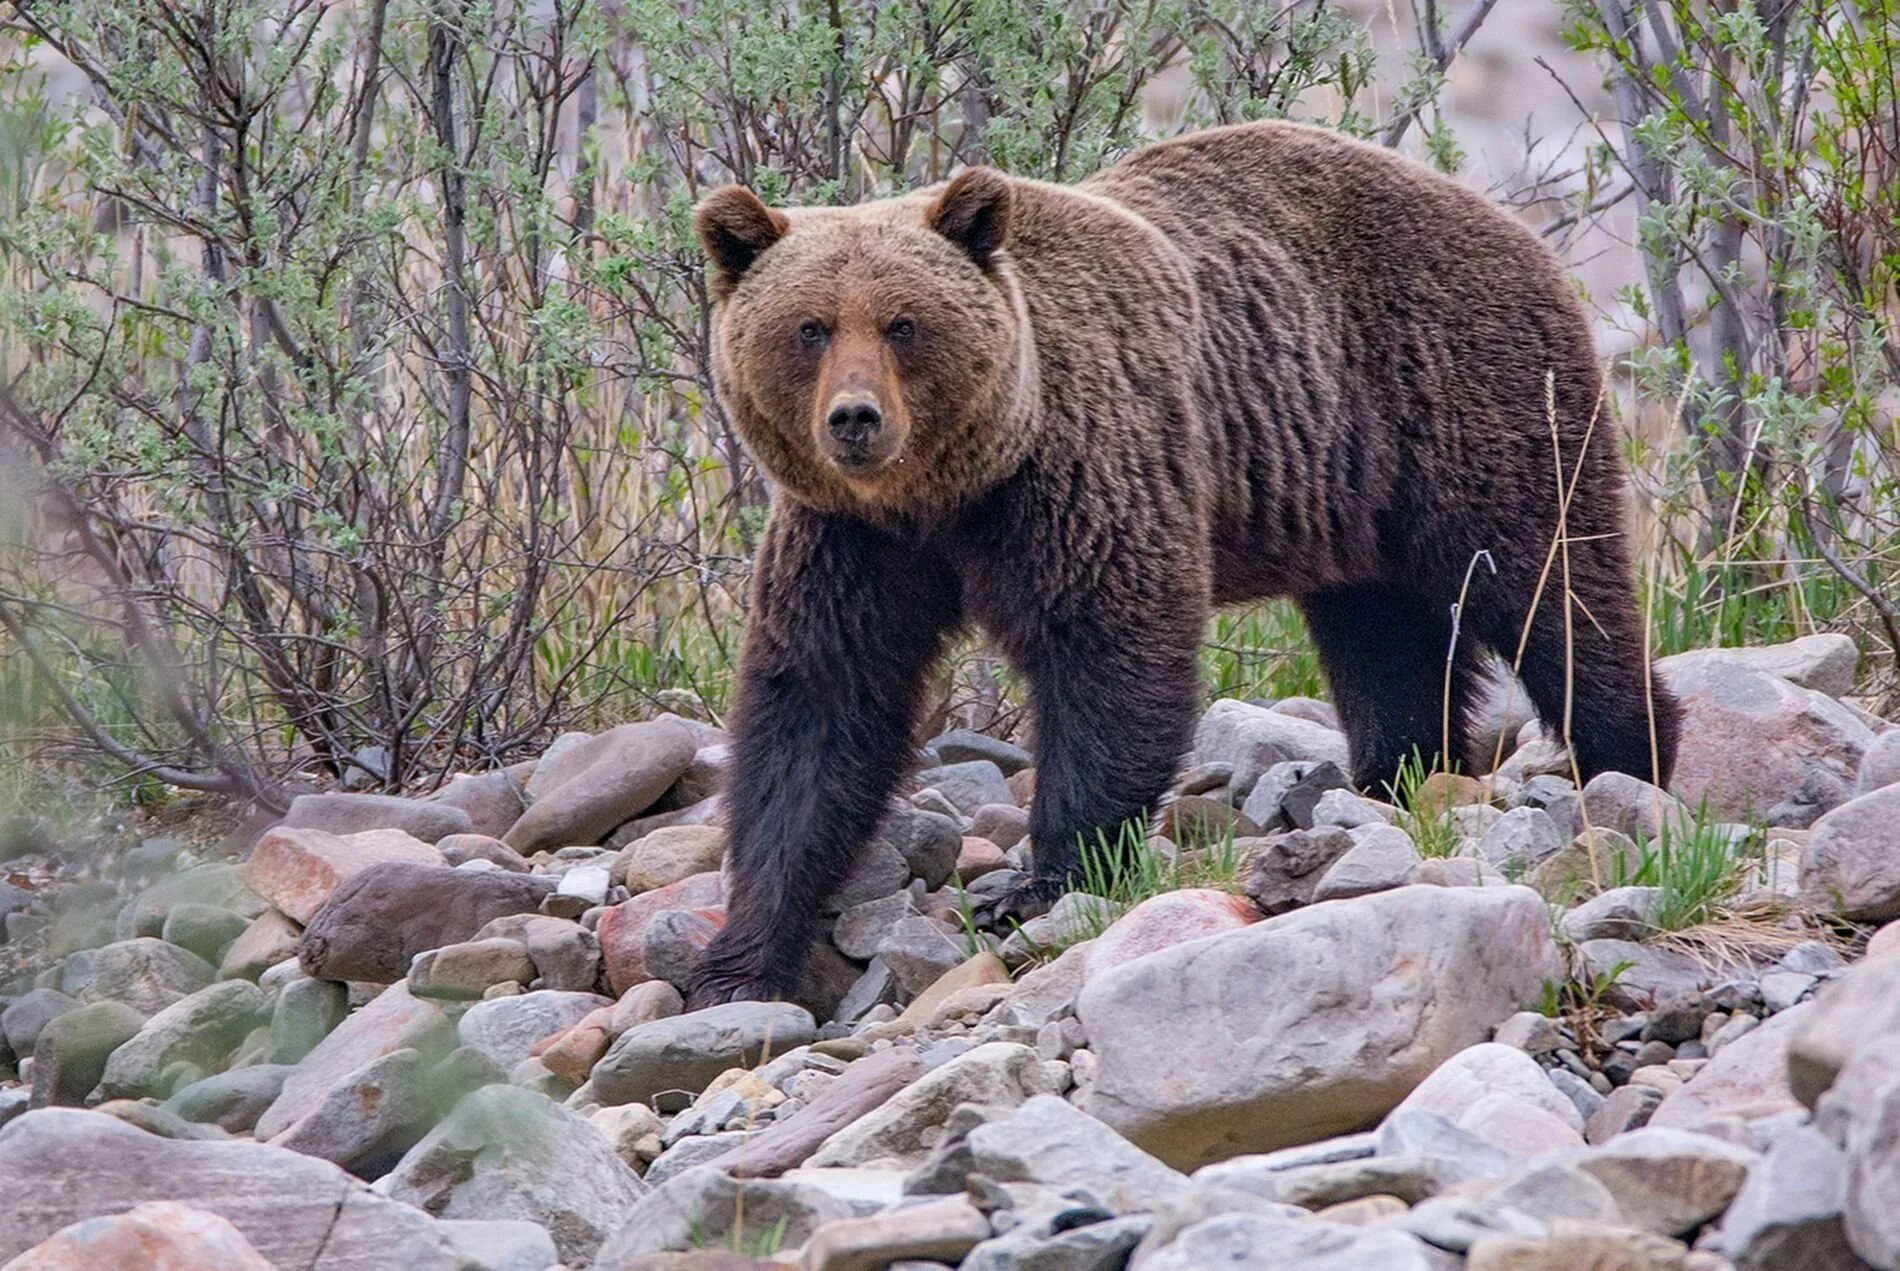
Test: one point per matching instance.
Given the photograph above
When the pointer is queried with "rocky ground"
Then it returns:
(1493, 1033)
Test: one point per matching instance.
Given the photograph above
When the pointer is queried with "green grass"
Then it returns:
(1434, 829)
(1695, 865)
(1261, 652)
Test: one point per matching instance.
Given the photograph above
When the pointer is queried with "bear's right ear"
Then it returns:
(734, 227)
(973, 212)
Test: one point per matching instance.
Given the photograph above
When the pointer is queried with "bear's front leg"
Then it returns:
(845, 621)
(1113, 696)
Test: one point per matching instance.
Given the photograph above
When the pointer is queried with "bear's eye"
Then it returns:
(901, 331)
(811, 332)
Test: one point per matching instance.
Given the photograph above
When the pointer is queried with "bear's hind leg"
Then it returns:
(1593, 673)
(1383, 650)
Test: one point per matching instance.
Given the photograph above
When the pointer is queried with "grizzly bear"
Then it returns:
(1257, 361)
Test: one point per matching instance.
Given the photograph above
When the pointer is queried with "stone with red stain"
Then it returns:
(393, 1021)
(297, 869)
(1168, 919)
(676, 938)
(160, 1235)
(623, 927)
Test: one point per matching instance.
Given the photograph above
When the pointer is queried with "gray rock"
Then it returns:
(602, 782)
(201, 1030)
(510, 1153)
(1096, 1246)
(270, 938)
(947, 1228)
(216, 884)
(684, 1053)
(1382, 857)
(1287, 795)
(705, 1208)
(1423, 1134)
(1523, 838)
(1252, 739)
(146, 974)
(1649, 973)
(27, 1014)
(1389, 986)
(505, 1029)
(875, 987)
(1001, 1074)
(878, 871)
(1626, 1108)
(1825, 662)
(1545, 1191)
(1788, 1213)
(494, 801)
(918, 950)
(928, 842)
(460, 849)
(1782, 989)
(961, 745)
(395, 1020)
(691, 1153)
(1880, 765)
(1531, 1032)
(1410, 1178)
(1849, 865)
(1811, 957)
(1756, 745)
(1048, 1141)
(306, 1012)
(1288, 867)
(354, 813)
(70, 1056)
(207, 930)
(1857, 1013)
(1633, 807)
(1241, 1240)
(968, 785)
(861, 928)
(1873, 1173)
(1580, 1093)
(377, 921)
(60, 1165)
(1344, 809)
(1666, 1181)
(367, 1120)
(470, 969)
(1621, 913)
(231, 1100)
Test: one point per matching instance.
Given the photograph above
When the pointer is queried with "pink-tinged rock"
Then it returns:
(297, 869)
(977, 857)
(623, 927)
(1748, 1078)
(1486, 1071)
(1884, 942)
(1851, 864)
(1757, 746)
(458, 849)
(1170, 918)
(572, 1053)
(1522, 1129)
(395, 1019)
(601, 782)
(160, 1235)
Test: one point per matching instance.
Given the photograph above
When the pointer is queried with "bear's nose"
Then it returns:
(854, 420)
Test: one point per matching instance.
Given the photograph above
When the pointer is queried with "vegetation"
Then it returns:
(355, 414)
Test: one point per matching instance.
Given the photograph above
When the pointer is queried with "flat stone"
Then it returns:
(669, 855)
(1309, 1024)
(1095, 1246)
(354, 813)
(1825, 662)
(1003, 1074)
(377, 921)
(684, 1053)
(969, 784)
(231, 1100)
(1252, 739)
(508, 1152)
(493, 801)
(786, 1144)
(1621, 913)
(934, 1231)
(607, 779)
(1521, 839)
(1238, 1240)
(1666, 1181)
(395, 1020)
(62, 1165)
(1570, 1245)
(1048, 1141)
(1381, 858)
(270, 938)
(470, 968)
(960, 745)
(369, 1118)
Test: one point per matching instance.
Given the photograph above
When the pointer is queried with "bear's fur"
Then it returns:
(1258, 361)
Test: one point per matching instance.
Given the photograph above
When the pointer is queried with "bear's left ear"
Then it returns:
(973, 212)
(734, 228)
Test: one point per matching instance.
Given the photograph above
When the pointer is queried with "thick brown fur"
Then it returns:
(1257, 361)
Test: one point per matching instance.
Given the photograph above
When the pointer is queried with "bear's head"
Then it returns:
(876, 359)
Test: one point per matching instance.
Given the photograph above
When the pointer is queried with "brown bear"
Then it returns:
(1263, 360)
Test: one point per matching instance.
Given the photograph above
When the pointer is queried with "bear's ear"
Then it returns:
(734, 227)
(973, 212)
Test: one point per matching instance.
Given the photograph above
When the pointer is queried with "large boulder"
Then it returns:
(297, 870)
(62, 1165)
(1310, 1024)
(201, 1030)
(160, 1235)
(394, 1021)
(1825, 662)
(146, 974)
(1757, 746)
(506, 1152)
(600, 782)
(1252, 739)
(376, 922)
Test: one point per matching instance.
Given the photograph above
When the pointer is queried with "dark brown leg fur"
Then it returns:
(1383, 650)
(846, 621)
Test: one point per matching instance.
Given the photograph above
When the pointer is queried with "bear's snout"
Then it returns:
(858, 436)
